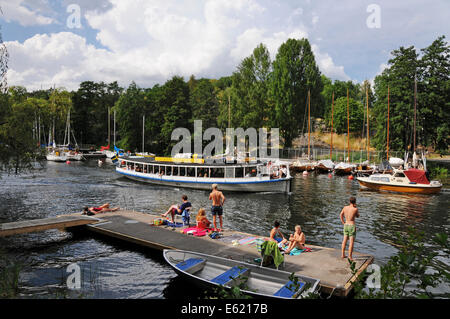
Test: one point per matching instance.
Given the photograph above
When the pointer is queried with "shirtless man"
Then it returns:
(296, 240)
(350, 212)
(217, 205)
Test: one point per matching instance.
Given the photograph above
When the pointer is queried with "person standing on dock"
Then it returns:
(349, 212)
(217, 205)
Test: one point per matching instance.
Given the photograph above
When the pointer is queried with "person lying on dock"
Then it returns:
(276, 235)
(202, 220)
(97, 210)
(178, 209)
(296, 240)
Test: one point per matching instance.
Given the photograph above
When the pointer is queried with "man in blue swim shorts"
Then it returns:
(217, 205)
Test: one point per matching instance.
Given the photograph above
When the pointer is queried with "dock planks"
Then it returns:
(322, 262)
(37, 225)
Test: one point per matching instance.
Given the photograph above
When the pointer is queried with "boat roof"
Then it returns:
(417, 176)
(149, 160)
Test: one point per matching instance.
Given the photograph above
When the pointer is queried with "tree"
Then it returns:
(250, 85)
(399, 76)
(434, 95)
(176, 102)
(356, 112)
(130, 109)
(294, 73)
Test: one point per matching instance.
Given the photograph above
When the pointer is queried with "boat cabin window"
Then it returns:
(182, 171)
(217, 172)
(239, 172)
(175, 171)
(191, 171)
(399, 175)
(229, 172)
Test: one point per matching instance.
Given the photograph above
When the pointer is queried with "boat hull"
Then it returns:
(273, 185)
(400, 188)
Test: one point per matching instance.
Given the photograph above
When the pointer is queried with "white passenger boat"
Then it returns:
(261, 282)
(194, 173)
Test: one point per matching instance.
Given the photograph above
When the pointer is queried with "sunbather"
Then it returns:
(296, 240)
(276, 235)
(100, 209)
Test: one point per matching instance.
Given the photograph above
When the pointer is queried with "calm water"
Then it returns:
(110, 269)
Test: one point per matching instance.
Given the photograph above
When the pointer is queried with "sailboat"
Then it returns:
(346, 168)
(326, 166)
(411, 180)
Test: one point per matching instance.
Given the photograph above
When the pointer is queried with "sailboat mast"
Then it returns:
(415, 112)
(309, 123)
(332, 111)
(368, 131)
(109, 126)
(388, 129)
(143, 132)
(114, 127)
(348, 127)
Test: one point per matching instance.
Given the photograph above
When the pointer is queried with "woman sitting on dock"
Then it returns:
(202, 221)
(276, 235)
(100, 209)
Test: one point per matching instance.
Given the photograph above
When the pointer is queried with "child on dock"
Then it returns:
(350, 212)
(202, 220)
(296, 240)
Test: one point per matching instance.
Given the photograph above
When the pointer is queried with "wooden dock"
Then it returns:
(322, 263)
(37, 225)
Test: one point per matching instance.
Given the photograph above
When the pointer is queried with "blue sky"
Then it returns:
(150, 41)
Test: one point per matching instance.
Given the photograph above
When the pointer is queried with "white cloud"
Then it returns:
(250, 38)
(327, 65)
(16, 10)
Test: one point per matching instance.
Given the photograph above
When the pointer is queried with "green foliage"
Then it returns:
(294, 73)
(412, 272)
(356, 118)
(9, 276)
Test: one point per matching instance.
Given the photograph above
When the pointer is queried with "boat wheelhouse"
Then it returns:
(403, 181)
(194, 173)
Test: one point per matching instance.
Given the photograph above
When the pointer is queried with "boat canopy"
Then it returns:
(417, 176)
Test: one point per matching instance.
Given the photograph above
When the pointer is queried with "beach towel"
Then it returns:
(198, 232)
(296, 251)
(247, 240)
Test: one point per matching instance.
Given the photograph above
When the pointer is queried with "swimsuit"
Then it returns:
(217, 210)
(350, 230)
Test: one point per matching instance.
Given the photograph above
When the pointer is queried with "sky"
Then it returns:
(62, 43)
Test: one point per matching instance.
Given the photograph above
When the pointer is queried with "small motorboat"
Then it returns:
(402, 181)
(210, 271)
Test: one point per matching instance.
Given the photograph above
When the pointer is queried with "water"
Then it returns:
(111, 269)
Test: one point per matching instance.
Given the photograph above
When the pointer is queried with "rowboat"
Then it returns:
(403, 181)
(209, 271)
(253, 176)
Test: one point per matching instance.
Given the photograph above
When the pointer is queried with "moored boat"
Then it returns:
(324, 166)
(403, 181)
(195, 173)
(209, 271)
(344, 168)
